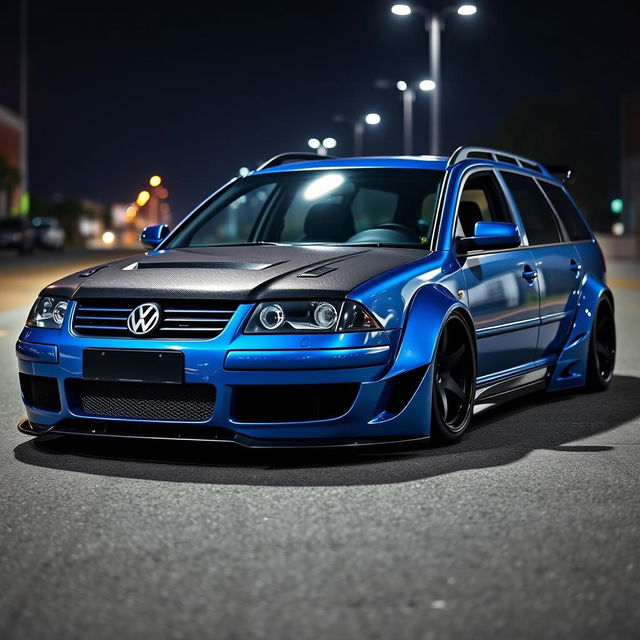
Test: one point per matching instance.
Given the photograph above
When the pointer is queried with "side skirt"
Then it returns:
(494, 393)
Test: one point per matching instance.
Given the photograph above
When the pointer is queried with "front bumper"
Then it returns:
(232, 362)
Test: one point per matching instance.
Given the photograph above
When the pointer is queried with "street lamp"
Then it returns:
(359, 126)
(408, 98)
(329, 143)
(434, 24)
(371, 119)
(321, 147)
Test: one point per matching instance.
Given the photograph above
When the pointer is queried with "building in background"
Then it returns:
(11, 141)
(631, 162)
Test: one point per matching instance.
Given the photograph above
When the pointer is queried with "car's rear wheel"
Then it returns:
(602, 347)
(454, 381)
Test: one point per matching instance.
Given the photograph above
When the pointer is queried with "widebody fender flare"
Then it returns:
(431, 305)
(571, 368)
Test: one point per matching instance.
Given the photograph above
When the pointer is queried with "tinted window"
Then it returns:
(569, 215)
(537, 217)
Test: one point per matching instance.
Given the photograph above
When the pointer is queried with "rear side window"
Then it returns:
(537, 216)
(569, 215)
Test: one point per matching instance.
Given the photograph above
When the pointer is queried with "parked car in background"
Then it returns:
(49, 233)
(17, 233)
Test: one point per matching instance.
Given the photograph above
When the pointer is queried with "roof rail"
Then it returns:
(282, 158)
(462, 153)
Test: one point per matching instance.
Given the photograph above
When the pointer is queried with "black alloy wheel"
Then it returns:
(454, 381)
(602, 347)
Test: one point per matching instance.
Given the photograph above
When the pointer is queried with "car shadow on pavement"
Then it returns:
(498, 437)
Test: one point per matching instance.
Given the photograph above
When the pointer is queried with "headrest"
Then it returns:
(329, 222)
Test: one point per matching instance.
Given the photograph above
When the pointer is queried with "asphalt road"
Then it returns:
(530, 528)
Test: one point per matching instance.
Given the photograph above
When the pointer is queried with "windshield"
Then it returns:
(331, 206)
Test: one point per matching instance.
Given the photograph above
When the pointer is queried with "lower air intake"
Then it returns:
(142, 400)
(292, 403)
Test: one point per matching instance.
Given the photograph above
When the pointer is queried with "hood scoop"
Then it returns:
(242, 266)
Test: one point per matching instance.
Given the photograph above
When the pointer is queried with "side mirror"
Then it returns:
(491, 235)
(152, 236)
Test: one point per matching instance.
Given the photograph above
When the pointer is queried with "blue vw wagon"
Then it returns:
(329, 302)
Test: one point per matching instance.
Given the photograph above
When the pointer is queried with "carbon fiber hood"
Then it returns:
(236, 273)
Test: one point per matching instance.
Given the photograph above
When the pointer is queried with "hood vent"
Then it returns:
(243, 266)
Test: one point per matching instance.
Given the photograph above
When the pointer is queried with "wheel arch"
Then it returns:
(571, 366)
(428, 312)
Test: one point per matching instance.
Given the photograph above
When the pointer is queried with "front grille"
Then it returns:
(40, 392)
(292, 403)
(142, 400)
(196, 319)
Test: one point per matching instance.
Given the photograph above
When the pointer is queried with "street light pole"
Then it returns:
(358, 137)
(408, 98)
(435, 28)
(24, 78)
(434, 24)
(359, 127)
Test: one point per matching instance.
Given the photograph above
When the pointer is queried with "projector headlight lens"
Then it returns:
(272, 317)
(310, 316)
(325, 315)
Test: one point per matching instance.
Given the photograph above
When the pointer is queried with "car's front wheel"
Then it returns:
(454, 381)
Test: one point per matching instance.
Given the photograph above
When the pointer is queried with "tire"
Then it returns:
(454, 381)
(602, 347)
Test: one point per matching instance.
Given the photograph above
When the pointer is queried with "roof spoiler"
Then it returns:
(560, 171)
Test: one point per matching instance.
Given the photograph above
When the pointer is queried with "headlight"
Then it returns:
(322, 316)
(48, 312)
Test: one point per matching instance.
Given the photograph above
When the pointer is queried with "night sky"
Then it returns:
(195, 90)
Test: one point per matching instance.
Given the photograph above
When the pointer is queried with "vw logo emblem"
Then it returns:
(144, 318)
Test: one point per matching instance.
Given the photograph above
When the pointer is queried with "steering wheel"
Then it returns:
(396, 226)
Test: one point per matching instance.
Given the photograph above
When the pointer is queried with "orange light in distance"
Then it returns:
(143, 198)
(155, 181)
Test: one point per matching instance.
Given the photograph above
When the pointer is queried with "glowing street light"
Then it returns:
(143, 198)
(467, 9)
(155, 181)
(329, 143)
(401, 9)
(372, 119)
(427, 85)
(321, 146)
(433, 24)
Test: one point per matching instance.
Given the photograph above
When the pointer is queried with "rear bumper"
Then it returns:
(294, 365)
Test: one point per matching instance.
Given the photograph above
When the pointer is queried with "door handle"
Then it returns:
(529, 274)
(575, 266)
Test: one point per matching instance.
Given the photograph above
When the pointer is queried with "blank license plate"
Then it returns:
(133, 365)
